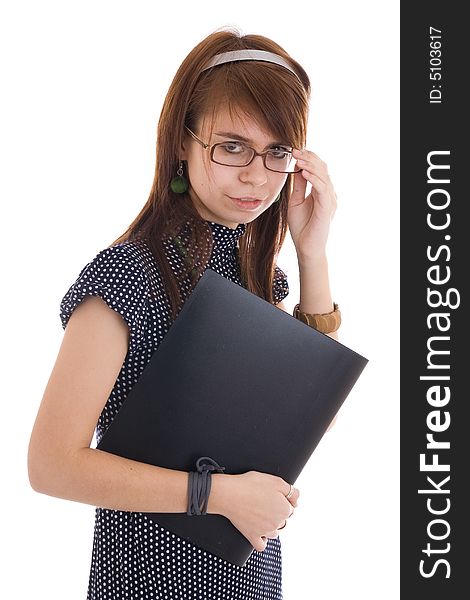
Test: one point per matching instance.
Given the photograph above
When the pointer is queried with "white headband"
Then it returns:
(262, 55)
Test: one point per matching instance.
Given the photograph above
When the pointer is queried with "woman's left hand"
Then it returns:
(309, 216)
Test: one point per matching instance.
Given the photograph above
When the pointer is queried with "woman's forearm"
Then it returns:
(105, 480)
(315, 295)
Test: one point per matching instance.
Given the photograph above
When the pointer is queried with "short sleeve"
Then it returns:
(280, 285)
(116, 275)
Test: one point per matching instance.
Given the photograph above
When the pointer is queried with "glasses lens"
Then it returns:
(236, 154)
(281, 160)
(233, 154)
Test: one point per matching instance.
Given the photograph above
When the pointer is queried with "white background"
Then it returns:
(83, 84)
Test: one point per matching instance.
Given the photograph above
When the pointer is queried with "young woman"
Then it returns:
(230, 178)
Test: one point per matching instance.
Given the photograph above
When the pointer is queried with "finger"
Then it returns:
(311, 163)
(298, 189)
(312, 175)
(294, 497)
(302, 152)
(260, 544)
(333, 421)
(273, 534)
(309, 156)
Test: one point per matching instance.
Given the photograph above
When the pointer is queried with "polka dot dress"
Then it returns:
(134, 557)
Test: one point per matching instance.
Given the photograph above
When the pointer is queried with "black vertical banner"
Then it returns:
(435, 268)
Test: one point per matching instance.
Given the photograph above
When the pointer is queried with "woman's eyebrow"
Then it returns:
(236, 136)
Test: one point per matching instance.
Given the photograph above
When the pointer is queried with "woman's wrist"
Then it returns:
(307, 261)
(217, 503)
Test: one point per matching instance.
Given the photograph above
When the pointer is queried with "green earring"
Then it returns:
(278, 197)
(179, 184)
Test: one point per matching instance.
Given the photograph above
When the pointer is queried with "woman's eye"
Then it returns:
(280, 152)
(233, 147)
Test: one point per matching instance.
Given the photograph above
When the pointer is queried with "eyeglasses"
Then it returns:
(237, 154)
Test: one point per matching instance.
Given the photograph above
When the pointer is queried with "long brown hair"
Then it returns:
(277, 100)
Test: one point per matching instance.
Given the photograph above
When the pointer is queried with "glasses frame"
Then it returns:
(212, 147)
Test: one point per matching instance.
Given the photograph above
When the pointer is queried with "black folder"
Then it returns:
(238, 380)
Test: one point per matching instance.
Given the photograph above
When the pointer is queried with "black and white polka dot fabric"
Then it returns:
(133, 557)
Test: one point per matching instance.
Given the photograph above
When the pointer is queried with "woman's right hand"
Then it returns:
(257, 506)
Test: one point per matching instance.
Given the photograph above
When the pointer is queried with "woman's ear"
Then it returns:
(183, 153)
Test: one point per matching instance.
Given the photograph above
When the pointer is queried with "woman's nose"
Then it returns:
(255, 172)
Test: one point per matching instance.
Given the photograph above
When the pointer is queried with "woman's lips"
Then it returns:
(247, 202)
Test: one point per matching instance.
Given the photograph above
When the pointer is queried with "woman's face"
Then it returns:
(217, 190)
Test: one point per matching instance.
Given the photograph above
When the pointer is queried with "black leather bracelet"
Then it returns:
(199, 485)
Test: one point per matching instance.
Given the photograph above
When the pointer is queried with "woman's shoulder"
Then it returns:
(129, 259)
(130, 253)
(121, 275)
